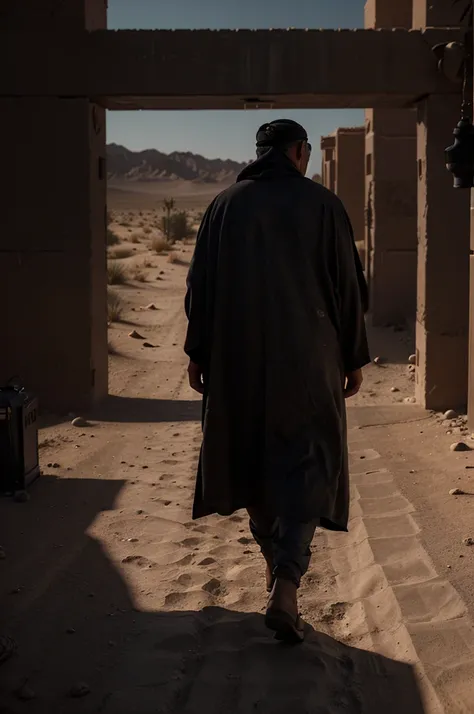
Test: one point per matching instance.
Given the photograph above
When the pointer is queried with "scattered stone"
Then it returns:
(450, 414)
(151, 306)
(80, 422)
(25, 693)
(132, 540)
(139, 512)
(56, 466)
(449, 567)
(412, 359)
(148, 344)
(460, 446)
(468, 541)
(379, 360)
(457, 492)
(409, 400)
(81, 689)
(411, 369)
(135, 335)
(21, 497)
(144, 467)
(394, 389)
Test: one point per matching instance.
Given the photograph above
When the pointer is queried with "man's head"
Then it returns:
(288, 136)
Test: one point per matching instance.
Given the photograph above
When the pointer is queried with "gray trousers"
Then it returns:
(285, 544)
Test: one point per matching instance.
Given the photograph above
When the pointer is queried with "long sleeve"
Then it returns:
(351, 293)
(198, 295)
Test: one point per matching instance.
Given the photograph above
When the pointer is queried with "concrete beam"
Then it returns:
(226, 69)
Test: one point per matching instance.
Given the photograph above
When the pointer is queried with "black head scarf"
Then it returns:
(280, 133)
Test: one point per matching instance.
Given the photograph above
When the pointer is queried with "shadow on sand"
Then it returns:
(76, 624)
(138, 409)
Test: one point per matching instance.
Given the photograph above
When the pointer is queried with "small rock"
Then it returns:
(411, 369)
(409, 400)
(412, 359)
(80, 422)
(456, 492)
(25, 693)
(460, 446)
(394, 389)
(151, 306)
(139, 512)
(148, 344)
(132, 540)
(81, 689)
(379, 360)
(56, 466)
(21, 497)
(135, 335)
(449, 567)
(450, 414)
(468, 541)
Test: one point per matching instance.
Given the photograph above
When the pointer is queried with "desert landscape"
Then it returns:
(118, 602)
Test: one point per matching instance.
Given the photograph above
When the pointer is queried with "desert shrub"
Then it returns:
(160, 244)
(124, 224)
(114, 306)
(139, 274)
(147, 230)
(177, 226)
(135, 238)
(112, 237)
(120, 253)
(116, 273)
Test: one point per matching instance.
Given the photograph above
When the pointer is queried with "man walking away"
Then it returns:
(276, 340)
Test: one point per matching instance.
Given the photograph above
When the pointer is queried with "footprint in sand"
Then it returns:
(213, 586)
(191, 542)
(170, 462)
(207, 561)
(138, 560)
(245, 541)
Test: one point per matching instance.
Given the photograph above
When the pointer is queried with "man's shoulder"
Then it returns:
(325, 195)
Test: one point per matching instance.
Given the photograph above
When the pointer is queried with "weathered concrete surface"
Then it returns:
(54, 15)
(443, 264)
(52, 249)
(295, 68)
(391, 214)
(390, 192)
(439, 13)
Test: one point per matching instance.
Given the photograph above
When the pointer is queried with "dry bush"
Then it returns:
(120, 253)
(147, 230)
(174, 258)
(135, 238)
(160, 244)
(114, 306)
(124, 224)
(139, 274)
(141, 224)
(116, 273)
(112, 237)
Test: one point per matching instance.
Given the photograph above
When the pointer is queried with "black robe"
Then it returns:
(275, 303)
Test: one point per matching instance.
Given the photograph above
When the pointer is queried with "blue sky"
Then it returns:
(225, 134)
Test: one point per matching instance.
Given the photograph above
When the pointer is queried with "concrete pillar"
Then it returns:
(343, 172)
(443, 263)
(53, 250)
(328, 166)
(53, 229)
(390, 192)
(391, 214)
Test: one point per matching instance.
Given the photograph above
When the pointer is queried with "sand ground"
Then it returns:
(120, 603)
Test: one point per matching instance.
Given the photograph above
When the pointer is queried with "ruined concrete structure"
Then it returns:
(65, 69)
(343, 172)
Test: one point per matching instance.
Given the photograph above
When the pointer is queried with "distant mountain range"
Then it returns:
(153, 165)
